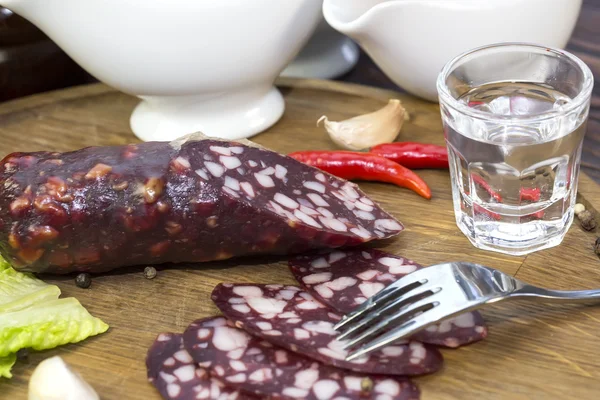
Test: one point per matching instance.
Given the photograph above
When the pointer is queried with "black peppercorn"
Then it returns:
(83, 280)
(587, 220)
(149, 272)
(22, 354)
(597, 246)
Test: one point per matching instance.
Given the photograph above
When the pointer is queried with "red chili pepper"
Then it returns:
(364, 166)
(530, 194)
(486, 186)
(414, 155)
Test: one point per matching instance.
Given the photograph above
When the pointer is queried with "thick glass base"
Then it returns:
(512, 239)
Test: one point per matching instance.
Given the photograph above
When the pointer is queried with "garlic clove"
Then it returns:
(54, 380)
(367, 130)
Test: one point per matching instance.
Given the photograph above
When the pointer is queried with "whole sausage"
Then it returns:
(192, 200)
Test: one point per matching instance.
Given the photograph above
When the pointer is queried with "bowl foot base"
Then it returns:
(231, 115)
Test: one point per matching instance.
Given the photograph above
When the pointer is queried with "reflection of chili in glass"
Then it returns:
(475, 103)
(480, 210)
(530, 194)
(525, 194)
(486, 186)
(539, 214)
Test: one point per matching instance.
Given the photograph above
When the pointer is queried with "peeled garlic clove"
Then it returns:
(54, 380)
(368, 130)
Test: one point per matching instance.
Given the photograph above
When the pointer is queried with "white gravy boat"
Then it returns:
(198, 65)
(411, 40)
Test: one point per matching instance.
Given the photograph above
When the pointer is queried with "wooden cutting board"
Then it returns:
(534, 350)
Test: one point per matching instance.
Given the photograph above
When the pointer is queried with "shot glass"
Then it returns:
(514, 117)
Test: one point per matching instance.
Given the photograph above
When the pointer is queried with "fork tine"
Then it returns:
(377, 310)
(371, 302)
(405, 312)
(367, 305)
(407, 329)
(361, 323)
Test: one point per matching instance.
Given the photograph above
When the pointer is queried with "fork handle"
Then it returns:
(546, 294)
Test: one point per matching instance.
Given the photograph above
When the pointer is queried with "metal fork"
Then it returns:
(432, 294)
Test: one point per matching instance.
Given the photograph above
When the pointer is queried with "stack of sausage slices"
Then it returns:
(278, 342)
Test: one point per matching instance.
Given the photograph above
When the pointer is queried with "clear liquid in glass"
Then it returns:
(514, 184)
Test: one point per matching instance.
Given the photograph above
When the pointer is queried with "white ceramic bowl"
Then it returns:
(198, 65)
(327, 55)
(411, 40)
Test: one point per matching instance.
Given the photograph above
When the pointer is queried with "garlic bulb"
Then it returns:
(368, 130)
(54, 380)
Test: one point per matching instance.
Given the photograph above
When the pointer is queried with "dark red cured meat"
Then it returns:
(293, 319)
(173, 372)
(193, 200)
(344, 279)
(255, 365)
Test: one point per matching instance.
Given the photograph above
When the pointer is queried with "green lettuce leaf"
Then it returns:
(19, 290)
(47, 325)
(4, 264)
(6, 364)
(32, 316)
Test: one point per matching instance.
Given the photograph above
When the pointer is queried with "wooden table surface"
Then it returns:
(534, 351)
